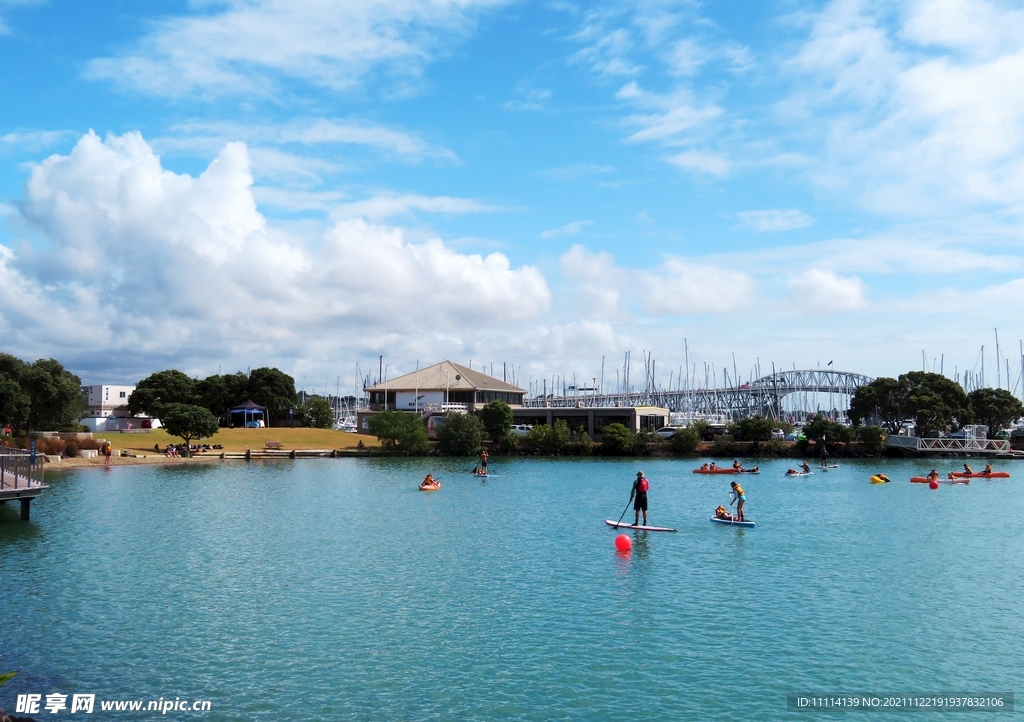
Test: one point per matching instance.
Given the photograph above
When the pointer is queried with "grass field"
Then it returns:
(242, 439)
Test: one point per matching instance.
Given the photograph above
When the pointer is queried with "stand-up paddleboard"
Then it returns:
(731, 522)
(641, 527)
(801, 473)
(483, 476)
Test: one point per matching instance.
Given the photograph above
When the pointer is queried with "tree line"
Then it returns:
(934, 403)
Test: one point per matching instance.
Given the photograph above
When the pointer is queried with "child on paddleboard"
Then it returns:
(737, 495)
(640, 487)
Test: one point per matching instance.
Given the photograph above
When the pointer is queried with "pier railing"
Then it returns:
(949, 444)
(17, 470)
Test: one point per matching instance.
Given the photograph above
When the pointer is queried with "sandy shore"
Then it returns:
(99, 462)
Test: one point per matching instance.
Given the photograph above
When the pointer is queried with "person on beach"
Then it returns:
(639, 492)
(483, 460)
(736, 496)
(106, 453)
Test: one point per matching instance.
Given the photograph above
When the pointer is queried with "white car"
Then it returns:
(778, 434)
(521, 429)
(667, 432)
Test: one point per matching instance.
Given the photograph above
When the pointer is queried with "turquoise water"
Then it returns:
(333, 589)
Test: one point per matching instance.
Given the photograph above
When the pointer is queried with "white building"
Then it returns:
(106, 409)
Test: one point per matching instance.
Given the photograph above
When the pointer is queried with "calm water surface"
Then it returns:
(333, 589)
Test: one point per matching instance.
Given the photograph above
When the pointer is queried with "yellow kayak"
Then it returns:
(879, 479)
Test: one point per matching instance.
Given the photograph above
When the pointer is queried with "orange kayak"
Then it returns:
(982, 475)
(715, 471)
(925, 480)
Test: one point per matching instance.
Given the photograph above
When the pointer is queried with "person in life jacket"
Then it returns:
(737, 497)
(722, 513)
(640, 487)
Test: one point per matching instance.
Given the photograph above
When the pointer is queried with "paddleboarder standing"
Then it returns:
(736, 496)
(639, 491)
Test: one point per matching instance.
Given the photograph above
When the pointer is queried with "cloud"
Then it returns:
(140, 264)
(29, 141)
(707, 163)
(673, 114)
(530, 98)
(251, 48)
(389, 205)
(678, 287)
(569, 229)
(820, 291)
(772, 221)
(306, 132)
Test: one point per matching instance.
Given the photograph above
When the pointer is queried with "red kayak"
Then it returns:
(981, 475)
(715, 471)
(925, 480)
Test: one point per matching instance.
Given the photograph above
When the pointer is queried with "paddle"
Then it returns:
(624, 511)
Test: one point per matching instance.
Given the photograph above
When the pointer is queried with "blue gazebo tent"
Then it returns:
(250, 415)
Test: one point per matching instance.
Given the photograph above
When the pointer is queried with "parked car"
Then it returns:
(715, 430)
(1017, 434)
(667, 432)
(778, 434)
(521, 429)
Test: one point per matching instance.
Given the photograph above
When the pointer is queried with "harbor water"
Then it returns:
(333, 589)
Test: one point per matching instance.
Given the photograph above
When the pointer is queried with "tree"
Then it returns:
(188, 422)
(317, 413)
(685, 440)
(617, 440)
(755, 428)
(461, 434)
(56, 401)
(220, 394)
(274, 389)
(996, 408)
(552, 439)
(935, 402)
(497, 419)
(400, 431)
(882, 399)
(14, 402)
(821, 430)
(156, 392)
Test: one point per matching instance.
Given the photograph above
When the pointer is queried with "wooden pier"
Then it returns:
(20, 478)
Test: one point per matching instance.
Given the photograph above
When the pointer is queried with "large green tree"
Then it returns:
(222, 393)
(996, 408)
(935, 402)
(56, 401)
(158, 391)
(274, 389)
(883, 399)
(755, 428)
(188, 422)
(497, 419)
(400, 431)
(821, 430)
(461, 434)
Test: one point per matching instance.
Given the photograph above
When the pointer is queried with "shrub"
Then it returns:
(723, 445)
(775, 447)
(755, 428)
(617, 440)
(685, 441)
(873, 438)
(71, 449)
(400, 431)
(461, 434)
(580, 443)
(550, 439)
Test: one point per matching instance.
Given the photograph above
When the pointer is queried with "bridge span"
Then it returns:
(766, 396)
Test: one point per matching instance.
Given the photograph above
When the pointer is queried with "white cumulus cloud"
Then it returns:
(820, 291)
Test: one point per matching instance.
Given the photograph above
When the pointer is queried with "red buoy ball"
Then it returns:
(933, 484)
(623, 543)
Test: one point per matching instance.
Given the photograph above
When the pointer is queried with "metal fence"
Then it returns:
(17, 470)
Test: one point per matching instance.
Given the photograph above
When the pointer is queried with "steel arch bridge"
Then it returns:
(764, 396)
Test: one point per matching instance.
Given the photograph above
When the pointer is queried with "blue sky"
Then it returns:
(218, 185)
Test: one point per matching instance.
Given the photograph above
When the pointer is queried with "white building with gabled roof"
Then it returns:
(446, 386)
